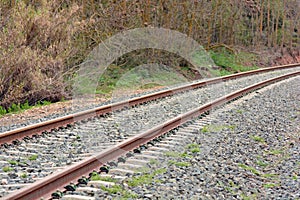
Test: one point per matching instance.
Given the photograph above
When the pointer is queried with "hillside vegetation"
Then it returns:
(43, 42)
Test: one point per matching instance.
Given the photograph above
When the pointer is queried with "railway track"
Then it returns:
(70, 137)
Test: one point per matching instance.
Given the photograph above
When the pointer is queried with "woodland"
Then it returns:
(42, 43)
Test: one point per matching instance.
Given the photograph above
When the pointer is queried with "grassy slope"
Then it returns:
(228, 64)
(233, 63)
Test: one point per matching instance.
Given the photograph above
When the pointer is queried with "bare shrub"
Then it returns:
(35, 43)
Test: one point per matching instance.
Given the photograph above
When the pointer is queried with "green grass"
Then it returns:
(145, 178)
(33, 157)
(270, 185)
(249, 168)
(24, 175)
(96, 177)
(205, 129)
(177, 154)
(119, 189)
(13, 162)
(160, 171)
(232, 184)
(192, 145)
(150, 85)
(232, 63)
(251, 197)
(193, 148)
(257, 139)
(143, 170)
(117, 78)
(2, 111)
(239, 111)
(7, 169)
(17, 108)
(275, 152)
(269, 175)
(216, 128)
(179, 164)
(261, 163)
(153, 162)
(140, 180)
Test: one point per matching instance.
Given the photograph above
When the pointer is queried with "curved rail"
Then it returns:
(30, 130)
(45, 187)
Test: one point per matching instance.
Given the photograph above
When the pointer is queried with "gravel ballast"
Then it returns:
(251, 150)
(92, 136)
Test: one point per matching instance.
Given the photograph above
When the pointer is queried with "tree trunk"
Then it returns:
(275, 42)
(261, 18)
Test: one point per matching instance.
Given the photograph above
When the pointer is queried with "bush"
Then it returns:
(35, 41)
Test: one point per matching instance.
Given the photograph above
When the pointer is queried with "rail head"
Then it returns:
(38, 128)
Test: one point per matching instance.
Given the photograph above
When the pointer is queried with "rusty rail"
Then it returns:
(38, 128)
(45, 187)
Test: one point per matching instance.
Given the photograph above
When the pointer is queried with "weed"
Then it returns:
(128, 195)
(179, 164)
(275, 152)
(118, 189)
(195, 150)
(153, 162)
(239, 111)
(205, 129)
(185, 155)
(245, 197)
(229, 189)
(295, 177)
(143, 170)
(158, 181)
(7, 169)
(258, 139)
(145, 178)
(249, 168)
(177, 155)
(140, 180)
(12, 162)
(270, 185)
(172, 154)
(261, 163)
(97, 177)
(160, 171)
(24, 175)
(33, 157)
(232, 184)
(192, 145)
(216, 128)
(270, 175)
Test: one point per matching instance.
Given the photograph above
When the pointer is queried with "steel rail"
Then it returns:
(45, 187)
(38, 128)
